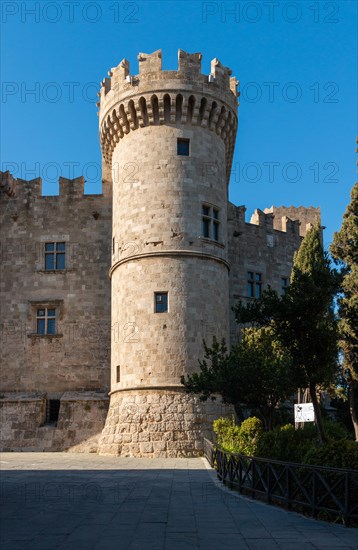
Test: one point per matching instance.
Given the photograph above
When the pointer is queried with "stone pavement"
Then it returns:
(86, 501)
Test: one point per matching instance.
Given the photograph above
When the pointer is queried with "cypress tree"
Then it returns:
(345, 251)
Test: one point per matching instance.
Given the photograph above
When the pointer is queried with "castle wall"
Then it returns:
(23, 422)
(155, 241)
(76, 357)
(307, 216)
(258, 247)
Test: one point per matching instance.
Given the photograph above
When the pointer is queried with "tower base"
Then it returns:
(158, 423)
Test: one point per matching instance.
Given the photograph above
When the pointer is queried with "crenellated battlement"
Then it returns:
(150, 69)
(32, 189)
(155, 97)
(290, 220)
(7, 183)
(285, 217)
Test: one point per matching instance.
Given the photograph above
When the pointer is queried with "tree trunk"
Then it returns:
(318, 414)
(353, 396)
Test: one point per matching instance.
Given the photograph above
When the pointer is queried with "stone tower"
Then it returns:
(168, 138)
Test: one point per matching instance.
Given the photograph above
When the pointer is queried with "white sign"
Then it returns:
(304, 412)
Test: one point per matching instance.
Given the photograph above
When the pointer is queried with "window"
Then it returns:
(54, 256)
(183, 147)
(46, 321)
(118, 374)
(254, 284)
(52, 411)
(210, 222)
(161, 302)
(284, 285)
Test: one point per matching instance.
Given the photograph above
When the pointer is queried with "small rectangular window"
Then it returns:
(55, 256)
(250, 290)
(118, 374)
(258, 290)
(206, 228)
(254, 284)
(161, 302)
(206, 210)
(46, 321)
(215, 231)
(183, 147)
(284, 285)
(210, 222)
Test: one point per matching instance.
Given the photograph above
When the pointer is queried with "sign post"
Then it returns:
(304, 412)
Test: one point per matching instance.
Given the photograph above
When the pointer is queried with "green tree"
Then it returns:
(256, 374)
(303, 319)
(344, 249)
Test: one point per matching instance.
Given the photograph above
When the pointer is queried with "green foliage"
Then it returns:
(227, 433)
(256, 374)
(283, 443)
(291, 445)
(335, 454)
(335, 431)
(303, 320)
(345, 251)
(238, 439)
(345, 241)
(251, 430)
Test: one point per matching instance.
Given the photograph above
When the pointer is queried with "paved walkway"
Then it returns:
(73, 501)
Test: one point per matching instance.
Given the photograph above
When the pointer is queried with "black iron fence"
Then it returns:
(325, 493)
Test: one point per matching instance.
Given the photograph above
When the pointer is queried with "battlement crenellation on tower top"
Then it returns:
(154, 97)
(121, 81)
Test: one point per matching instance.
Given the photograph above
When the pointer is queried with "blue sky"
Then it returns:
(296, 62)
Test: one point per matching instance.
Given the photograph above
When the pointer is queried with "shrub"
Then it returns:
(336, 431)
(335, 454)
(287, 444)
(227, 433)
(284, 443)
(250, 433)
(238, 439)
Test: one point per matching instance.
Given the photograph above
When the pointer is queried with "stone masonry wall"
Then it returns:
(307, 216)
(76, 358)
(80, 423)
(161, 423)
(260, 247)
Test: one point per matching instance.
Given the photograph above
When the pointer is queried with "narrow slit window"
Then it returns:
(52, 411)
